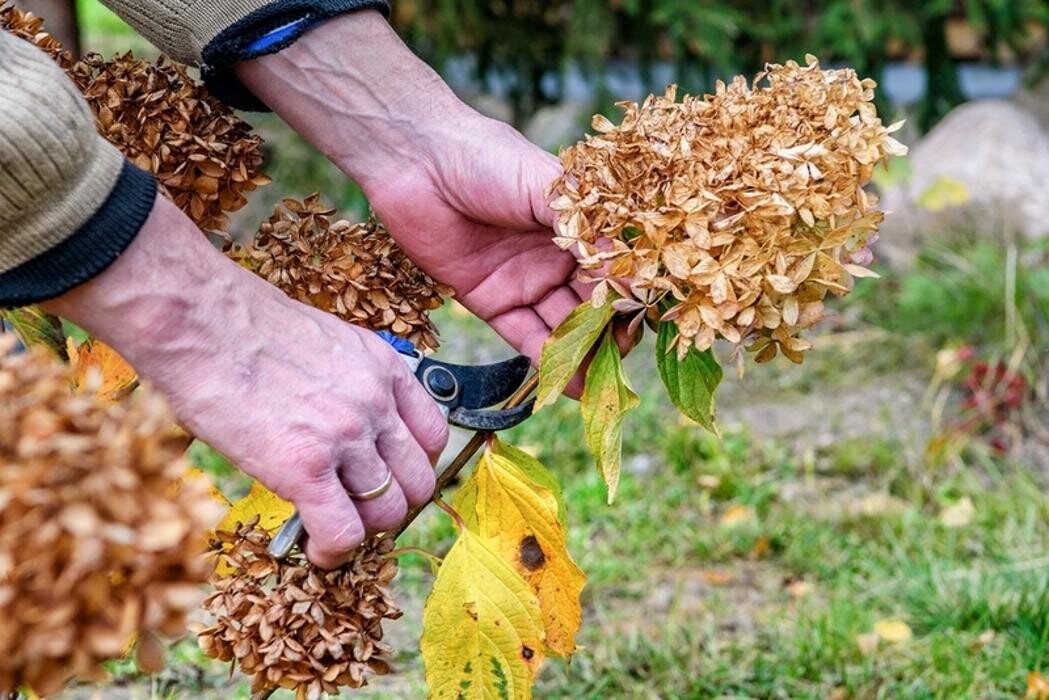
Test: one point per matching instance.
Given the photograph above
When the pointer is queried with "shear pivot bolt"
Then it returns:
(441, 383)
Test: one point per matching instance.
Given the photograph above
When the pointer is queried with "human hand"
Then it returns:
(464, 196)
(311, 406)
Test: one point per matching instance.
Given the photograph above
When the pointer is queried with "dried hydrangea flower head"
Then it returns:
(734, 214)
(28, 26)
(355, 271)
(205, 158)
(289, 624)
(101, 538)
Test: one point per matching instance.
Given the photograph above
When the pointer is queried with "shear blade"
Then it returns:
(490, 421)
(484, 385)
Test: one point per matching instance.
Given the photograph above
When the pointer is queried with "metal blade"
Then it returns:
(483, 385)
(490, 421)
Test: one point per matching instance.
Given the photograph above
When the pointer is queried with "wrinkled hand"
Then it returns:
(311, 406)
(473, 213)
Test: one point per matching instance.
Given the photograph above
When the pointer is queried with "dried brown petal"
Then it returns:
(298, 627)
(734, 213)
(84, 569)
(355, 271)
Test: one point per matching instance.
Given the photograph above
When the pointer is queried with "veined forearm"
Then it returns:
(354, 90)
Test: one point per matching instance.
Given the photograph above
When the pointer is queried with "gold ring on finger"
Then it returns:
(372, 494)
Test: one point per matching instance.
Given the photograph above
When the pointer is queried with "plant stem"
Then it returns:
(468, 451)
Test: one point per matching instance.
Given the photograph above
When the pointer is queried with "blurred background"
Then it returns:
(873, 523)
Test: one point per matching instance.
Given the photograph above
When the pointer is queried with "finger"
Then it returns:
(546, 170)
(361, 470)
(410, 464)
(331, 520)
(555, 306)
(524, 329)
(427, 425)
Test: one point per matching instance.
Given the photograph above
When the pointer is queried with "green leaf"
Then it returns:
(34, 326)
(566, 348)
(606, 398)
(532, 468)
(691, 382)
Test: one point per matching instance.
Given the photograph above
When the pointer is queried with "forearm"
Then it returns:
(354, 90)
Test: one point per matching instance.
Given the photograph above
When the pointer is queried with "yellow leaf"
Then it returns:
(97, 368)
(271, 509)
(736, 514)
(894, 631)
(520, 518)
(1037, 687)
(607, 397)
(482, 631)
(958, 514)
(944, 192)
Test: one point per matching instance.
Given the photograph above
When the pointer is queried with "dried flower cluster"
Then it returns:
(291, 625)
(355, 271)
(100, 542)
(732, 215)
(28, 26)
(204, 156)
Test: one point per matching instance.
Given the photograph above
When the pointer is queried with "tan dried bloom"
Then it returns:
(28, 26)
(355, 271)
(734, 214)
(205, 158)
(100, 543)
(289, 624)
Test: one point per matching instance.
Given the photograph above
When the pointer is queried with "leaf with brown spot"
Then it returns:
(482, 631)
(502, 503)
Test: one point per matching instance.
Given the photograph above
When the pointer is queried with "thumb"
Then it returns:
(541, 174)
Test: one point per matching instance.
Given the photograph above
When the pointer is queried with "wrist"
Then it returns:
(158, 303)
(353, 89)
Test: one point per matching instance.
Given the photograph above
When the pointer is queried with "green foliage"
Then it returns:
(690, 382)
(530, 42)
(962, 289)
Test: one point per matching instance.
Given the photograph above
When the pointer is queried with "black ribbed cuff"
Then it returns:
(233, 44)
(90, 250)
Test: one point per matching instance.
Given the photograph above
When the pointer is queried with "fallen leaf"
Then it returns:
(893, 631)
(943, 193)
(799, 588)
(867, 643)
(958, 514)
(1037, 687)
(482, 627)
(760, 548)
(717, 577)
(708, 481)
(519, 517)
(736, 514)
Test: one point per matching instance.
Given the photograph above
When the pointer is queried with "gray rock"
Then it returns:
(559, 125)
(992, 151)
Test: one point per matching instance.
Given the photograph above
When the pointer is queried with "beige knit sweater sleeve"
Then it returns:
(55, 170)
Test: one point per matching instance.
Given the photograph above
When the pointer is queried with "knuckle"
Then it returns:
(433, 432)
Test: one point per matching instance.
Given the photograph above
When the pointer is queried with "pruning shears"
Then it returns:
(464, 393)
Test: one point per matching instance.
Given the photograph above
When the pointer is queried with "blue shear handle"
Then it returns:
(401, 345)
(278, 35)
